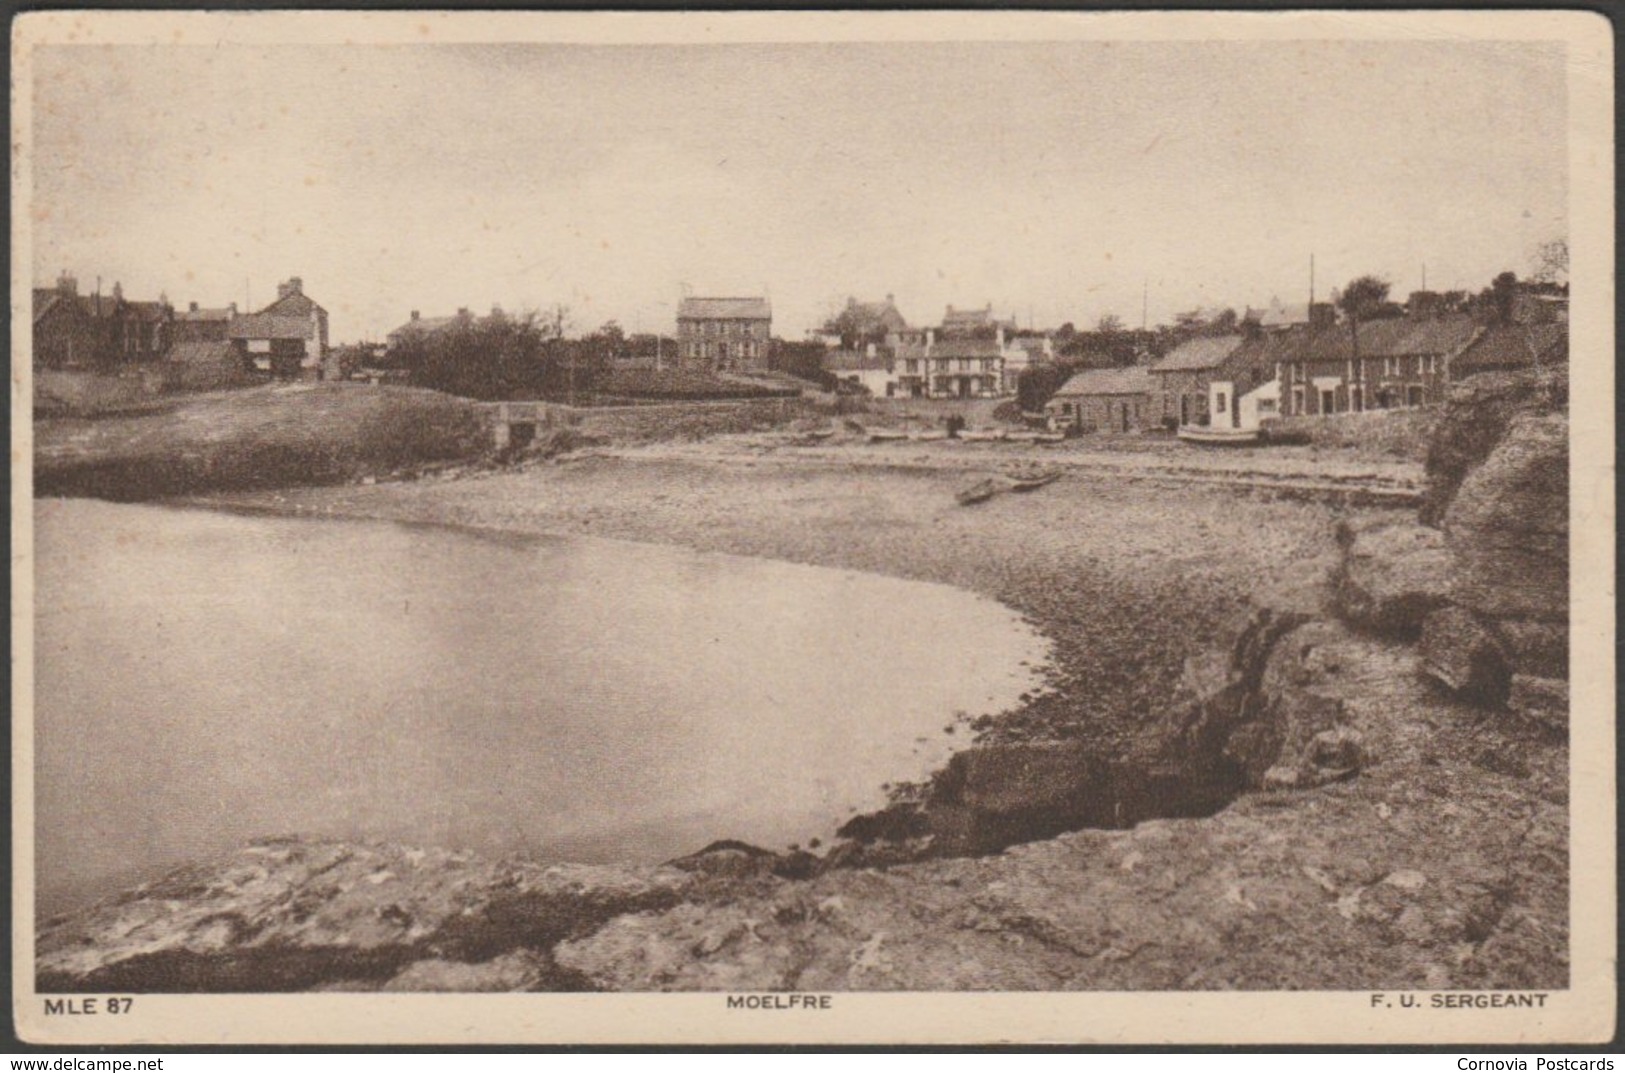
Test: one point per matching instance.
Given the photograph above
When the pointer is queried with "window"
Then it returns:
(1219, 403)
(1390, 366)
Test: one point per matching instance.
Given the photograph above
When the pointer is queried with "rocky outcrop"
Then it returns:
(291, 915)
(1508, 529)
(1251, 716)
(1475, 419)
(1462, 654)
(1500, 497)
(1392, 573)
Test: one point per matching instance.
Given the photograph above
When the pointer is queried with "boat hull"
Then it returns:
(1228, 437)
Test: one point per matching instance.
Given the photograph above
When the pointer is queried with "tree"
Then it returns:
(1503, 288)
(1109, 323)
(1363, 298)
(486, 358)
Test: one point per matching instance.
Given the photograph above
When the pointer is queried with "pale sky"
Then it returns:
(1053, 180)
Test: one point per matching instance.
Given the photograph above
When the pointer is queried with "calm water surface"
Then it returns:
(203, 679)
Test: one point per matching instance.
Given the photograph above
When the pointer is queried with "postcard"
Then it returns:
(861, 528)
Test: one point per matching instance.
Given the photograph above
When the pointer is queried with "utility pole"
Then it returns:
(1145, 303)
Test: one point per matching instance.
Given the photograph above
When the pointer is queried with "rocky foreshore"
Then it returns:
(1254, 769)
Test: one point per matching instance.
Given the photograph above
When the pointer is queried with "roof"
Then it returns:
(1203, 352)
(883, 314)
(210, 353)
(1510, 346)
(724, 309)
(1133, 380)
(1422, 335)
(851, 361)
(271, 326)
(965, 348)
(425, 325)
(297, 304)
(205, 314)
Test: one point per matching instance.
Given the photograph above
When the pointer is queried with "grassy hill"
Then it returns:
(265, 437)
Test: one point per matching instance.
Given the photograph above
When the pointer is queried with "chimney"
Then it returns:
(67, 284)
(415, 314)
(463, 312)
(118, 291)
(931, 334)
(496, 310)
(233, 308)
(191, 307)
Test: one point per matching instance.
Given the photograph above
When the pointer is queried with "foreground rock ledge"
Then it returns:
(1442, 865)
(289, 915)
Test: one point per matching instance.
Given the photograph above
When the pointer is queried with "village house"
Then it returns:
(287, 339)
(871, 368)
(861, 323)
(97, 331)
(1391, 363)
(418, 326)
(1104, 400)
(974, 322)
(724, 334)
(195, 325)
(1184, 375)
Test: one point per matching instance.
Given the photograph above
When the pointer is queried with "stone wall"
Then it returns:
(674, 421)
(1403, 433)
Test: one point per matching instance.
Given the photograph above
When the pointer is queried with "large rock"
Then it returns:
(1475, 419)
(992, 796)
(1393, 572)
(1508, 530)
(290, 915)
(1462, 654)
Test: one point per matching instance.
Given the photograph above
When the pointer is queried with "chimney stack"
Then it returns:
(67, 284)
(191, 307)
(414, 314)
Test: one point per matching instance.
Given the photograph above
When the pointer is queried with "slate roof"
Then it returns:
(425, 325)
(1134, 380)
(1203, 352)
(204, 314)
(271, 326)
(297, 304)
(1512, 346)
(724, 309)
(1424, 335)
(966, 348)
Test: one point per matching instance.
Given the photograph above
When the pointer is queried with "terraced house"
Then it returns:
(1394, 363)
(724, 334)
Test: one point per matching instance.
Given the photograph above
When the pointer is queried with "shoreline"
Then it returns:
(1333, 884)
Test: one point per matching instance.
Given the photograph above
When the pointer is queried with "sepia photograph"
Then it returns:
(891, 528)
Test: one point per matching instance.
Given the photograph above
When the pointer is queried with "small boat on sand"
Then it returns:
(1029, 480)
(887, 436)
(1224, 437)
(980, 492)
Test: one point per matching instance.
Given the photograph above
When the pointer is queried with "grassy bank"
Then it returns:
(266, 437)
